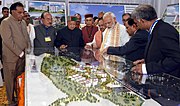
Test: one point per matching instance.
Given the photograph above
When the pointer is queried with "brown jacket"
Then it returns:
(15, 38)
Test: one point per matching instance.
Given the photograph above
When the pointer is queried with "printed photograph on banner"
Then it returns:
(94, 9)
(57, 9)
(35, 10)
(171, 15)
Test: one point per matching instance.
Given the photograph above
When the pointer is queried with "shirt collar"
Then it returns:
(46, 27)
(12, 17)
(135, 31)
(153, 25)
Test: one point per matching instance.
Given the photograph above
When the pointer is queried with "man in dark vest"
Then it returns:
(45, 35)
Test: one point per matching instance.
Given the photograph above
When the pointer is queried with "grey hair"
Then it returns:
(109, 14)
(144, 11)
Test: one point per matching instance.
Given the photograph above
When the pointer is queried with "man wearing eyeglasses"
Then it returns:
(162, 50)
(45, 35)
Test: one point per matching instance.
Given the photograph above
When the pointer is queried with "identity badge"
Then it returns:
(48, 39)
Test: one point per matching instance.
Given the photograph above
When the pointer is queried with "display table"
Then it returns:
(40, 91)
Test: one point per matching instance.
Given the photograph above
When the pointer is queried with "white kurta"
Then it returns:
(31, 32)
(116, 36)
(123, 38)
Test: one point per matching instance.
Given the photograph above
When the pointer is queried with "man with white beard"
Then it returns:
(115, 33)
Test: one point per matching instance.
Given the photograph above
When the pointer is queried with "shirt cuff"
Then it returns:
(144, 77)
(21, 55)
(90, 43)
(144, 71)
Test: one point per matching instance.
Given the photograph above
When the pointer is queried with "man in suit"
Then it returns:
(15, 42)
(45, 35)
(134, 48)
(162, 53)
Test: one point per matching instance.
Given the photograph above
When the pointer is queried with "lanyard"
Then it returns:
(152, 27)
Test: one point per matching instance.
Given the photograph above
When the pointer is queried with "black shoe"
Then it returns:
(13, 104)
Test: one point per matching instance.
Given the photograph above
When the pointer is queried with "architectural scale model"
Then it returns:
(85, 82)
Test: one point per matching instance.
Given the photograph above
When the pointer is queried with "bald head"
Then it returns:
(46, 19)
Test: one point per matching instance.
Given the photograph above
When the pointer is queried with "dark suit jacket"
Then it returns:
(71, 38)
(162, 52)
(134, 48)
(40, 45)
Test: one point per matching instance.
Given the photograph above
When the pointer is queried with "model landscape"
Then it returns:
(84, 82)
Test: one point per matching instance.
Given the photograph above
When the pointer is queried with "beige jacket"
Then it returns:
(14, 37)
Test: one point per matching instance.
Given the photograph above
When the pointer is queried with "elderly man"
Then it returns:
(45, 35)
(134, 48)
(114, 35)
(89, 30)
(70, 37)
(15, 42)
(162, 52)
